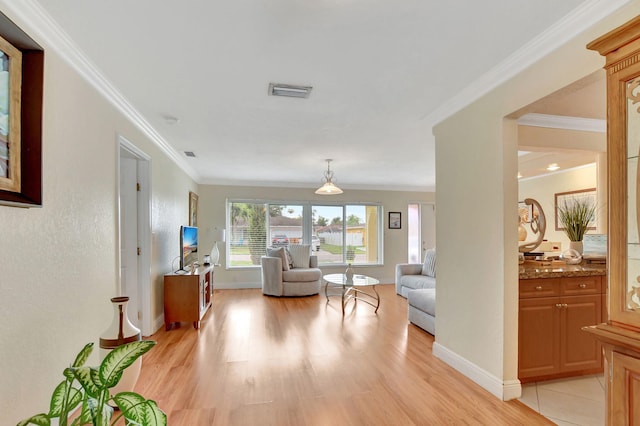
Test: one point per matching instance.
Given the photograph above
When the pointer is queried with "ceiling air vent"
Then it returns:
(190, 154)
(289, 90)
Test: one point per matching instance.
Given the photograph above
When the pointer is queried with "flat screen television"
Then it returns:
(188, 246)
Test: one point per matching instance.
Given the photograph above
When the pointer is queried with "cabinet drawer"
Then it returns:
(543, 287)
(581, 285)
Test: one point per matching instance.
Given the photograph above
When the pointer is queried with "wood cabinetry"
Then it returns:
(187, 296)
(620, 336)
(552, 314)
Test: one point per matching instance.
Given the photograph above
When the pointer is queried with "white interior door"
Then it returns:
(421, 229)
(129, 236)
(428, 226)
(134, 173)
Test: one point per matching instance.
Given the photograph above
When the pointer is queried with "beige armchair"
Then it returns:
(280, 279)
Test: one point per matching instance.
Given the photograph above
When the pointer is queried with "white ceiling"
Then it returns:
(381, 72)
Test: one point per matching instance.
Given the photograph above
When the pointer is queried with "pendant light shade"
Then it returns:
(328, 187)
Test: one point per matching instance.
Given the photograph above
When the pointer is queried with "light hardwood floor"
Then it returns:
(259, 360)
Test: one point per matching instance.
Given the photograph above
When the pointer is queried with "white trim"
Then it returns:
(563, 122)
(158, 323)
(570, 169)
(502, 390)
(42, 26)
(511, 389)
(582, 18)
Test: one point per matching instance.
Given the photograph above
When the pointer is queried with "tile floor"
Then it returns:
(574, 401)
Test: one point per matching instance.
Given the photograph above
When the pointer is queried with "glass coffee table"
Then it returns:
(354, 289)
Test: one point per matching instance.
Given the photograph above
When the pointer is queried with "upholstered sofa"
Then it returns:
(422, 308)
(290, 272)
(410, 276)
(417, 282)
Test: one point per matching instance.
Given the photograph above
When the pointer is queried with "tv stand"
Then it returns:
(187, 295)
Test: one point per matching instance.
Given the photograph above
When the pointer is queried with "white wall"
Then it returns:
(212, 213)
(476, 218)
(543, 189)
(59, 262)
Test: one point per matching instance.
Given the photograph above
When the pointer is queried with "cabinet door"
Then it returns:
(625, 407)
(538, 337)
(579, 350)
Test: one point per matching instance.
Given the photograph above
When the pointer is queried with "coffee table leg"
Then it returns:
(377, 298)
(325, 290)
(344, 291)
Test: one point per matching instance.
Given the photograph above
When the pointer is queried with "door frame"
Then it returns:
(144, 229)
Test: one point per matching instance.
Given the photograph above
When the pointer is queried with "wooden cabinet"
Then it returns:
(620, 335)
(553, 311)
(187, 296)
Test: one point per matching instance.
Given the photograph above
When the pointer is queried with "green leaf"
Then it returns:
(138, 410)
(57, 399)
(85, 414)
(83, 376)
(57, 405)
(39, 420)
(130, 403)
(82, 357)
(120, 358)
(92, 413)
(68, 374)
(154, 416)
(95, 377)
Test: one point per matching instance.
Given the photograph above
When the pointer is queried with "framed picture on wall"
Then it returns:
(564, 199)
(21, 89)
(193, 209)
(395, 221)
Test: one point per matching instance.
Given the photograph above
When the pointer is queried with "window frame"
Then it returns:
(307, 226)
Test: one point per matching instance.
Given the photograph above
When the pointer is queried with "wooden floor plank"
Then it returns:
(259, 360)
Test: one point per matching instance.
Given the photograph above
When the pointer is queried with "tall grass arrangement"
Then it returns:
(574, 217)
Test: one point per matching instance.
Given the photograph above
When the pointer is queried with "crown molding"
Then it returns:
(43, 27)
(582, 18)
(563, 122)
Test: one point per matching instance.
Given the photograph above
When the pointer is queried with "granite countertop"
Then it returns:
(554, 269)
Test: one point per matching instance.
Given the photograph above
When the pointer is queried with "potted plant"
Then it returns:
(93, 392)
(574, 216)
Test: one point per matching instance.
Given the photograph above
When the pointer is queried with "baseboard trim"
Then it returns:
(502, 390)
(235, 286)
(158, 323)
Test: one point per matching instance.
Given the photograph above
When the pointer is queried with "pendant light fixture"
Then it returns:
(328, 187)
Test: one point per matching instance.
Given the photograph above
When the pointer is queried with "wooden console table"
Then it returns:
(187, 296)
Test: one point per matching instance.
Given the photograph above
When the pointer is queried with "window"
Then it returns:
(338, 234)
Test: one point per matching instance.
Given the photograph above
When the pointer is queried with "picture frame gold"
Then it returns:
(193, 209)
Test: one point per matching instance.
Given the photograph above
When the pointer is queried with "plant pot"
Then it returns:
(121, 331)
(576, 245)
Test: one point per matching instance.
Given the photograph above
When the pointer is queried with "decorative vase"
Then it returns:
(522, 233)
(215, 254)
(121, 331)
(349, 273)
(576, 245)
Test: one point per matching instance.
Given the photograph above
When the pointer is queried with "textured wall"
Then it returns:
(477, 304)
(58, 263)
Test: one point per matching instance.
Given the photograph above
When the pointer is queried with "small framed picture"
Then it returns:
(395, 221)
